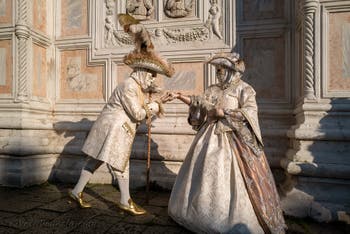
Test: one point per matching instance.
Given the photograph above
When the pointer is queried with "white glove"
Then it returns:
(153, 107)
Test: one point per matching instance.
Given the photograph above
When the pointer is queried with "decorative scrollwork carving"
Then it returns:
(22, 33)
(310, 7)
(187, 35)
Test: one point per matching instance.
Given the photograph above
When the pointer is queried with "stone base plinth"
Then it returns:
(321, 199)
(25, 171)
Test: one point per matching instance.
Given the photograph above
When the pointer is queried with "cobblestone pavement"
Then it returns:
(45, 209)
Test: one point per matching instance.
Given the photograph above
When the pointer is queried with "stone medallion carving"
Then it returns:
(178, 8)
(140, 9)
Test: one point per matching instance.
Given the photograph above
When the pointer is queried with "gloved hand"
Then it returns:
(153, 107)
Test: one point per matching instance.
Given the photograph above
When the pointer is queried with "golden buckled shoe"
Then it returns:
(79, 200)
(132, 209)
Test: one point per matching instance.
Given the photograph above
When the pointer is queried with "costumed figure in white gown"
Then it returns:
(225, 184)
(112, 134)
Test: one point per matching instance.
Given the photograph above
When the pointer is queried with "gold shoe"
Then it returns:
(79, 200)
(132, 209)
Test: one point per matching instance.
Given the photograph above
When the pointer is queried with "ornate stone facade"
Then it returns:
(60, 61)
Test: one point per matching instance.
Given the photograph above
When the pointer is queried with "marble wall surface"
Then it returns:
(6, 8)
(339, 52)
(40, 72)
(40, 15)
(265, 68)
(74, 17)
(6, 64)
(263, 9)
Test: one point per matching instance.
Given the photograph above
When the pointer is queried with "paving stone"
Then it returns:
(62, 205)
(125, 228)
(29, 219)
(45, 209)
(107, 219)
(139, 219)
(17, 204)
(8, 193)
(48, 188)
(165, 229)
(114, 212)
(100, 205)
(164, 220)
(159, 201)
(44, 230)
(6, 214)
(155, 210)
(39, 196)
(164, 211)
(102, 188)
(142, 194)
(93, 226)
(7, 230)
(67, 222)
(110, 197)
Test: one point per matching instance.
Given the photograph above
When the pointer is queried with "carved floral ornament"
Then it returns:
(143, 9)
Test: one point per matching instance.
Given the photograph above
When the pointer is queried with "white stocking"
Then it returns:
(90, 167)
(123, 182)
(83, 180)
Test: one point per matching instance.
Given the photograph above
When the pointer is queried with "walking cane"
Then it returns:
(149, 125)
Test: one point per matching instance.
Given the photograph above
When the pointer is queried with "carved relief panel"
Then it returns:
(171, 23)
(6, 11)
(179, 8)
(78, 80)
(140, 9)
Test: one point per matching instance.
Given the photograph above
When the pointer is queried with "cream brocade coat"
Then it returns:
(224, 185)
(111, 136)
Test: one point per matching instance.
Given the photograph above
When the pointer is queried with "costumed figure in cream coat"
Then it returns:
(111, 136)
(225, 184)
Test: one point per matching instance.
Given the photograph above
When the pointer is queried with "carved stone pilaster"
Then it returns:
(22, 32)
(309, 7)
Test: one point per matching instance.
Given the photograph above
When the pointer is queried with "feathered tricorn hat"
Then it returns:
(228, 60)
(143, 56)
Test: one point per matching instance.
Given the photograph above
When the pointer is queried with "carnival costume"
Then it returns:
(111, 136)
(225, 184)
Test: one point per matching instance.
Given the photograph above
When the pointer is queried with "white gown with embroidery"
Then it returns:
(209, 195)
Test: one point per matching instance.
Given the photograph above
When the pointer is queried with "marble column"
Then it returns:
(318, 180)
(22, 32)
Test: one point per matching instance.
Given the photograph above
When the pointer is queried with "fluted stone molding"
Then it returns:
(22, 32)
(309, 7)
